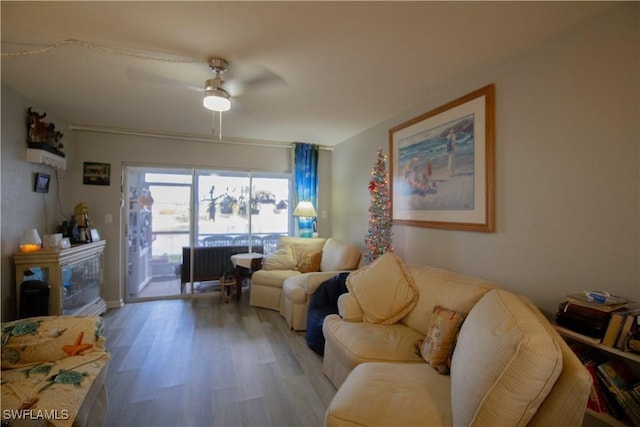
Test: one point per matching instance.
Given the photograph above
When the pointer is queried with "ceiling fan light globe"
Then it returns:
(216, 103)
(216, 100)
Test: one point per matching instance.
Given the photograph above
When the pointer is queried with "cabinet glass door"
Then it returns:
(80, 284)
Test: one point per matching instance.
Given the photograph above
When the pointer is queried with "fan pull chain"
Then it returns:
(213, 129)
(220, 126)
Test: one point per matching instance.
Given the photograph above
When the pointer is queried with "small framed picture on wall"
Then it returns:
(96, 173)
(42, 182)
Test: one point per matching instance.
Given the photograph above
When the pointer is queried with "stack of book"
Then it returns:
(622, 326)
(614, 389)
(588, 317)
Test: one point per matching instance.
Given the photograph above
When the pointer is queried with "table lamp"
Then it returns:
(30, 241)
(306, 210)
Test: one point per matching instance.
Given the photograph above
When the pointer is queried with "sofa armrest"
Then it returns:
(300, 288)
(312, 281)
(349, 309)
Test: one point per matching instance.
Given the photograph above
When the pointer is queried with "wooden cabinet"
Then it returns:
(75, 277)
(632, 360)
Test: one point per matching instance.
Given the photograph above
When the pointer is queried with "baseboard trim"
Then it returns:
(115, 304)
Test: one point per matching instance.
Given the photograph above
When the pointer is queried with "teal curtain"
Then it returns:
(306, 183)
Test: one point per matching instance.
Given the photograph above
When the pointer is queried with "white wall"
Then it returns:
(567, 169)
(22, 208)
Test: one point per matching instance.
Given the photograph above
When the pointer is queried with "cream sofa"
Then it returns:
(284, 265)
(509, 366)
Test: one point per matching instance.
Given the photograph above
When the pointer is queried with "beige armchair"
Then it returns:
(285, 262)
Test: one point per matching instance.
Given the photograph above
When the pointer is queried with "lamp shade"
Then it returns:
(305, 209)
(215, 98)
(30, 241)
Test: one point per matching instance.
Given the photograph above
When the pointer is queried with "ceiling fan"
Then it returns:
(215, 97)
(218, 93)
(245, 79)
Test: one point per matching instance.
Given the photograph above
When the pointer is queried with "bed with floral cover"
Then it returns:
(53, 372)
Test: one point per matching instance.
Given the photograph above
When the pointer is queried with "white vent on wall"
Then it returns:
(41, 156)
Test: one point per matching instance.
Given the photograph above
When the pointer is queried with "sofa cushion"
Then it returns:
(391, 394)
(463, 292)
(51, 392)
(302, 244)
(339, 256)
(384, 290)
(272, 278)
(309, 262)
(50, 338)
(503, 354)
(360, 342)
(571, 390)
(281, 259)
(437, 347)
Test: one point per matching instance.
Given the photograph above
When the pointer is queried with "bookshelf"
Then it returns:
(608, 419)
(567, 333)
(632, 360)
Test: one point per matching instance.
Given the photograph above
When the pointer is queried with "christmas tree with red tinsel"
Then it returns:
(379, 235)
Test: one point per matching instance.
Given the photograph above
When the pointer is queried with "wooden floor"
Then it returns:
(205, 363)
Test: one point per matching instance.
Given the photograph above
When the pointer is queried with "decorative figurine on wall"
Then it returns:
(43, 135)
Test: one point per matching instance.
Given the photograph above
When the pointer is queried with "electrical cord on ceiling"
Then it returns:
(104, 49)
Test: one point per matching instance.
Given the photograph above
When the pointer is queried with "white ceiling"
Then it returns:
(344, 66)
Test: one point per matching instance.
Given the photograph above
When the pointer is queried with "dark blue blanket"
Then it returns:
(323, 302)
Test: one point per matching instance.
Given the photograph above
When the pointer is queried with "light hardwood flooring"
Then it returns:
(205, 363)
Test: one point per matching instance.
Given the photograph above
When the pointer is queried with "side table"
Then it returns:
(241, 264)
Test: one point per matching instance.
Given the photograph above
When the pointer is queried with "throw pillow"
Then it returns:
(280, 259)
(437, 347)
(504, 353)
(309, 261)
(384, 290)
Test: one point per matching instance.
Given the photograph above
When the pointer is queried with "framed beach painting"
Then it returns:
(442, 166)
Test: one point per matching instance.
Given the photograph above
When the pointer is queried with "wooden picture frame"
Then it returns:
(96, 173)
(442, 166)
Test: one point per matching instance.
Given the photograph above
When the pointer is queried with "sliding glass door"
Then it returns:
(236, 208)
(172, 212)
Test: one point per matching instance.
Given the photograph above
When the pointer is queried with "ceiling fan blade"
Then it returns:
(254, 80)
(140, 75)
